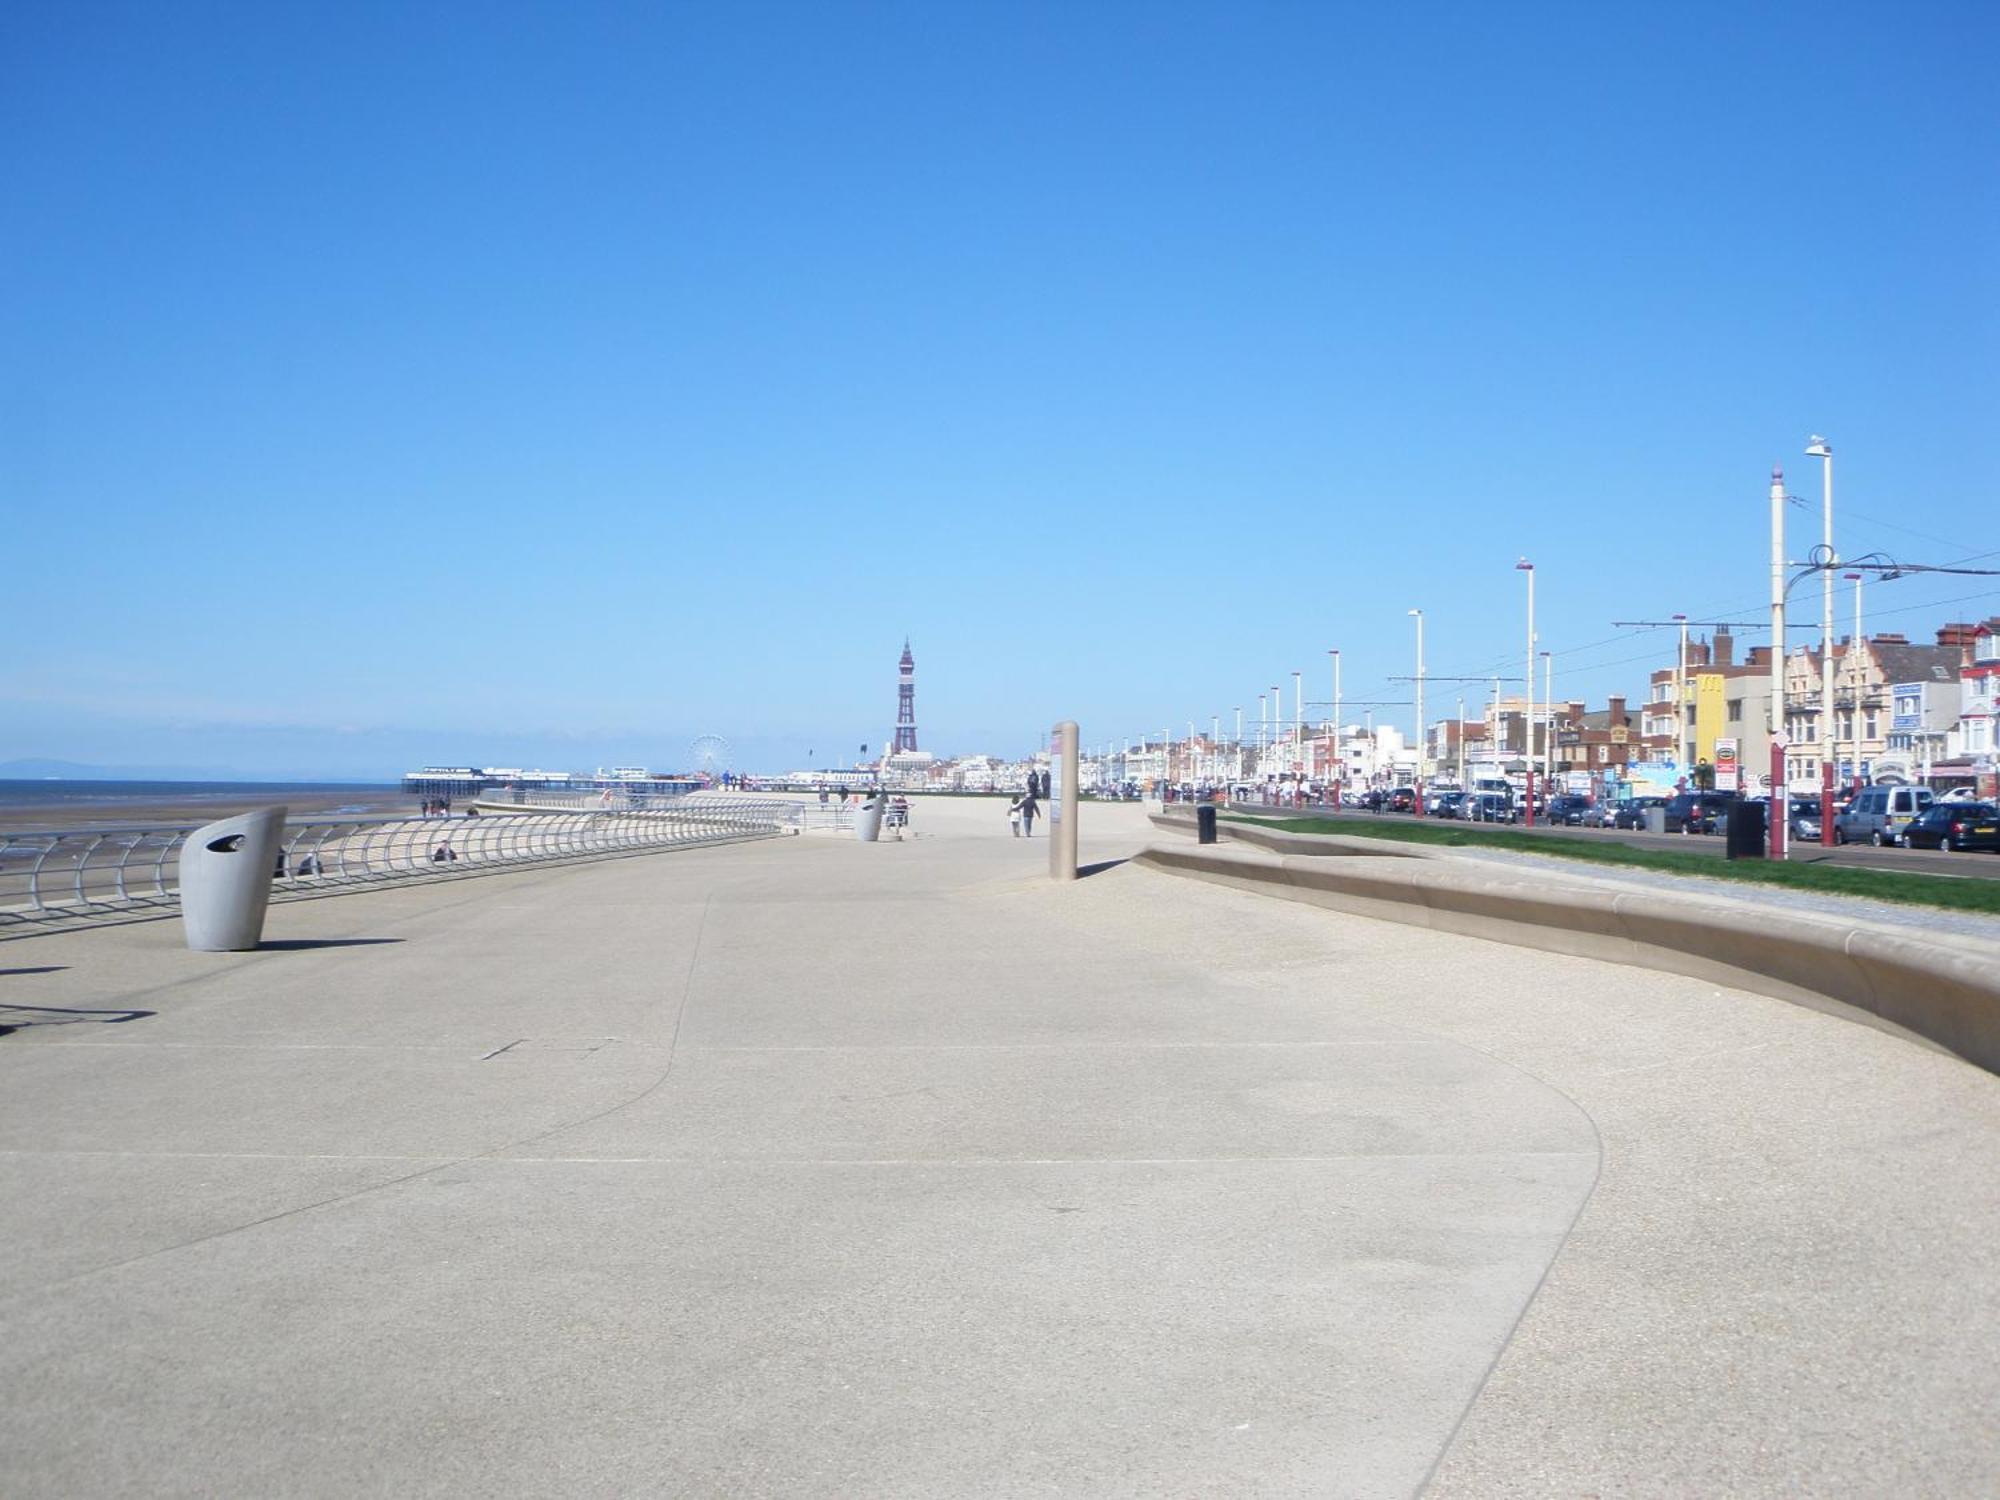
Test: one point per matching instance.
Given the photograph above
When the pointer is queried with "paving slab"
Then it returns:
(813, 1167)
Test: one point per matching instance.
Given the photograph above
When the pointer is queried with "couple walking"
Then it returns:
(1021, 814)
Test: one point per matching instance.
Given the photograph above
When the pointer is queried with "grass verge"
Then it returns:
(1949, 893)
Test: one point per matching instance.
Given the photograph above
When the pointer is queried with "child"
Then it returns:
(1014, 816)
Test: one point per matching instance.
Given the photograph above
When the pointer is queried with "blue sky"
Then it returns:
(394, 383)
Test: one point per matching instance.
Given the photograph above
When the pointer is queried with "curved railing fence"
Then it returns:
(58, 875)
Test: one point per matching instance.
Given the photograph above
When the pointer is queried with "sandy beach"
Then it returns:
(204, 806)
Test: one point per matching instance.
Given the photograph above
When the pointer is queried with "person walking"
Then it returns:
(1029, 807)
(1014, 816)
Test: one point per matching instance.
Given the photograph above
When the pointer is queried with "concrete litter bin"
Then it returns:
(226, 874)
(868, 820)
(1656, 820)
(1204, 823)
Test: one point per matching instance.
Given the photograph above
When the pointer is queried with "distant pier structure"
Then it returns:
(906, 703)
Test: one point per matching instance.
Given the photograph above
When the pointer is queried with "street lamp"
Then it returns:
(1818, 447)
(1418, 616)
(1779, 789)
(1339, 747)
(1854, 646)
(1680, 702)
(1277, 718)
(1528, 716)
(1298, 723)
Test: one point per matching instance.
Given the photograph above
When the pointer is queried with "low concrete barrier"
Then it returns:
(1278, 841)
(1937, 990)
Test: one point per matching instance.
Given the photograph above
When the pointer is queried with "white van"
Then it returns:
(1879, 814)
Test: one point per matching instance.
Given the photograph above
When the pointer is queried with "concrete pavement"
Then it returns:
(819, 1168)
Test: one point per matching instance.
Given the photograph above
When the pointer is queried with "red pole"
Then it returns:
(1826, 803)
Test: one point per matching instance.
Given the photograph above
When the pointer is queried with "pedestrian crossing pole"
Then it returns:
(1062, 800)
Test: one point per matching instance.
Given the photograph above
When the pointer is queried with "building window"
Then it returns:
(1734, 708)
(1871, 724)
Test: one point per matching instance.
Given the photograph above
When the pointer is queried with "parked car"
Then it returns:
(1698, 812)
(1879, 814)
(1402, 799)
(1446, 805)
(1956, 825)
(1487, 807)
(1631, 813)
(1569, 809)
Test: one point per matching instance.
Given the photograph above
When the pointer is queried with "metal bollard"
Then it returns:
(1204, 823)
(226, 874)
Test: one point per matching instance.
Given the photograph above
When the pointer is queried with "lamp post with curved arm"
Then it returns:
(1422, 740)
(1818, 447)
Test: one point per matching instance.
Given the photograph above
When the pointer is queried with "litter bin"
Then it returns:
(226, 873)
(1204, 823)
(1656, 820)
(1744, 836)
(868, 821)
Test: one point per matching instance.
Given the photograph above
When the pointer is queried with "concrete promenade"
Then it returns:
(814, 1168)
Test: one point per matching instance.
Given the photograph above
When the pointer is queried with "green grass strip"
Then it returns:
(1948, 892)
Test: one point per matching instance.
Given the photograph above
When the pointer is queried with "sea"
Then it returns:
(60, 799)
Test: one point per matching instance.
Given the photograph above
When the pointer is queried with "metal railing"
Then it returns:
(53, 876)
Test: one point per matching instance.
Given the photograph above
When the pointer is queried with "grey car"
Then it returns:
(1879, 814)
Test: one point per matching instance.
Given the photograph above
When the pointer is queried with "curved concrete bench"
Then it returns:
(1938, 990)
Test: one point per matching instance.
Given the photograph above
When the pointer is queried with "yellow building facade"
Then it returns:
(1711, 692)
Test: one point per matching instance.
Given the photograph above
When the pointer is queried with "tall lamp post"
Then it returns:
(1818, 447)
(1339, 745)
(1298, 724)
(1528, 716)
(1422, 743)
(1680, 703)
(1277, 720)
(1779, 788)
(1852, 658)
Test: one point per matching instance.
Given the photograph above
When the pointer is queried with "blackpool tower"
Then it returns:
(906, 703)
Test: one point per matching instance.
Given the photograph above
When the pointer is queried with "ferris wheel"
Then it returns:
(709, 754)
